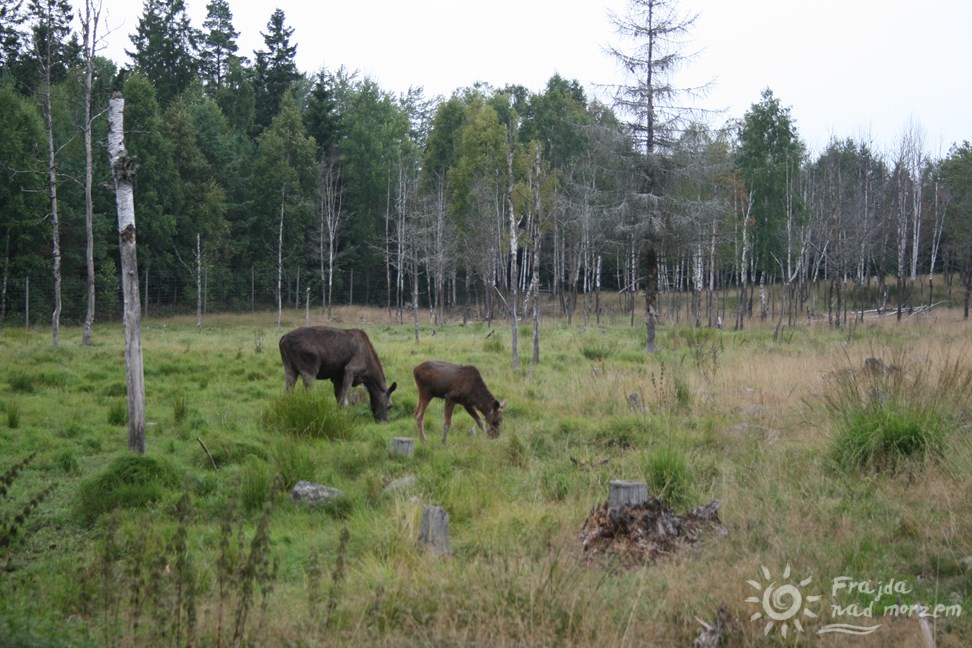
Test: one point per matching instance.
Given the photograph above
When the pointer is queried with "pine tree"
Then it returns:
(165, 48)
(276, 70)
(217, 45)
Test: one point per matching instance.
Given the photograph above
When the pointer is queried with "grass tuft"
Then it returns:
(885, 416)
(129, 481)
(305, 413)
(667, 476)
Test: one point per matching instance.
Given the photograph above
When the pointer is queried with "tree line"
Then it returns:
(316, 187)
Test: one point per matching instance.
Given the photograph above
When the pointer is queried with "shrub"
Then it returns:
(305, 413)
(129, 481)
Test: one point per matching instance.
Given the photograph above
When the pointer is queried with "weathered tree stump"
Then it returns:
(404, 446)
(626, 493)
(434, 532)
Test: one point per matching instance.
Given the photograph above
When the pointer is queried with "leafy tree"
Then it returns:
(956, 172)
(374, 143)
(557, 118)
(276, 70)
(281, 192)
(158, 192)
(22, 235)
(769, 158)
(217, 44)
(164, 48)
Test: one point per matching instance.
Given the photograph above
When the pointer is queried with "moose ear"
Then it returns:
(393, 387)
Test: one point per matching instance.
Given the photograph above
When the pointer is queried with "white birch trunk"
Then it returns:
(123, 170)
(199, 290)
(283, 193)
(89, 30)
(513, 246)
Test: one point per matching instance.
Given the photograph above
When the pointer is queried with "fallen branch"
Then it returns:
(211, 460)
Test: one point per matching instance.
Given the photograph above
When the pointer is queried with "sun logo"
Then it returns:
(781, 604)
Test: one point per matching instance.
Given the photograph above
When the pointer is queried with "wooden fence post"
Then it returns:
(434, 532)
(404, 446)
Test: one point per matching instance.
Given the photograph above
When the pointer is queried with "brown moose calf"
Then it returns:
(458, 385)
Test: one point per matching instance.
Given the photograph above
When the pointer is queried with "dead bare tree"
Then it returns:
(89, 36)
(514, 245)
(123, 171)
(329, 195)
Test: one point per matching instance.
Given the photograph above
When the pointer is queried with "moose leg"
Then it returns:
(345, 388)
(420, 415)
(449, 404)
(475, 416)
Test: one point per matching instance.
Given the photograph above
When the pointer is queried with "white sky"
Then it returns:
(864, 69)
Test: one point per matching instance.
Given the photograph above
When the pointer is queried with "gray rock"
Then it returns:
(400, 484)
(306, 492)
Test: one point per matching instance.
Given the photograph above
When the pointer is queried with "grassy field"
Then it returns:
(825, 471)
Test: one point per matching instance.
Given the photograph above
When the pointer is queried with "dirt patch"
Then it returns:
(646, 532)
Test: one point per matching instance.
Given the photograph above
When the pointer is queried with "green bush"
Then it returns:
(308, 413)
(130, 481)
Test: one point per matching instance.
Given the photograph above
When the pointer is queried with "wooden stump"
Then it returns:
(404, 446)
(626, 493)
(434, 532)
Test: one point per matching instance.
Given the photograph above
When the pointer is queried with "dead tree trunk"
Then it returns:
(513, 245)
(434, 532)
(123, 170)
(89, 29)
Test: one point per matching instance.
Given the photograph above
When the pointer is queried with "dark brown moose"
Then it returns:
(458, 385)
(343, 356)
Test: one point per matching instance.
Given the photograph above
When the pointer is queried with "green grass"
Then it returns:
(123, 538)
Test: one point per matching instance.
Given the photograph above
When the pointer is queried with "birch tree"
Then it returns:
(123, 172)
(329, 196)
(52, 51)
(89, 44)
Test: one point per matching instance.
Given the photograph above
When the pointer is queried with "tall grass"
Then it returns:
(306, 413)
(887, 415)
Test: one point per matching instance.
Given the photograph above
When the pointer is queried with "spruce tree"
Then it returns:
(164, 46)
(276, 70)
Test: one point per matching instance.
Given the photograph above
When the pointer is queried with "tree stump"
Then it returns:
(434, 532)
(626, 493)
(404, 446)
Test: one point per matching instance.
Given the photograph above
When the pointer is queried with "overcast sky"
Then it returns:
(864, 69)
